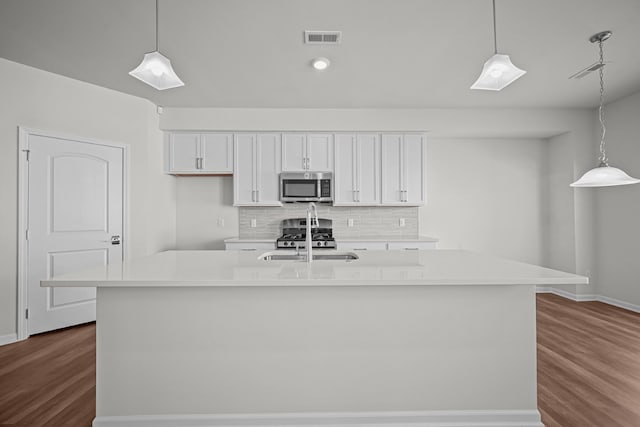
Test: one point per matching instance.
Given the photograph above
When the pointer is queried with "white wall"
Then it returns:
(488, 195)
(46, 101)
(201, 203)
(618, 208)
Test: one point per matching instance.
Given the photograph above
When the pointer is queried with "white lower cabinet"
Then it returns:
(348, 245)
(256, 169)
(411, 245)
(381, 245)
(249, 245)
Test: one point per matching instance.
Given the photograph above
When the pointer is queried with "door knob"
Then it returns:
(115, 240)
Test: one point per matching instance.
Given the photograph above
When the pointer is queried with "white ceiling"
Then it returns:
(394, 53)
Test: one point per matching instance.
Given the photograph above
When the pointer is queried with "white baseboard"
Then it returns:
(589, 297)
(8, 339)
(523, 418)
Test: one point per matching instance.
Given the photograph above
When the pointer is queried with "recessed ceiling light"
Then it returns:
(320, 63)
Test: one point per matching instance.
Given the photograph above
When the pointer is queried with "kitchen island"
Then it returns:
(400, 338)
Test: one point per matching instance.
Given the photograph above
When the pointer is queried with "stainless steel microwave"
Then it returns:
(306, 187)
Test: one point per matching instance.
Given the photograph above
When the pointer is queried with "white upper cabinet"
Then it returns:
(357, 170)
(199, 153)
(307, 152)
(256, 169)
(403, 169)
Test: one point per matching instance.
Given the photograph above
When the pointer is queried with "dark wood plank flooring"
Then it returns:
(588, 370)
(49, 379)
(588, 364)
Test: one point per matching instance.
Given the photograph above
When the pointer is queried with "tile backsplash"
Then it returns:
(368, 222)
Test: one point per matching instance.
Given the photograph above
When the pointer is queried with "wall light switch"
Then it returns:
(349, 222)
(220, 222)
(254, 223)
(402, 222)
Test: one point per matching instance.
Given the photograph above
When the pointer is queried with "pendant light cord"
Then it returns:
(157, 49)
(603, 129)
(495, 38)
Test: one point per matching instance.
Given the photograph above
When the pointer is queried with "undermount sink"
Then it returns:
(316, 256)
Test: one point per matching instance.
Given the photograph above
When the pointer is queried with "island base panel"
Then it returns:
(360, 349)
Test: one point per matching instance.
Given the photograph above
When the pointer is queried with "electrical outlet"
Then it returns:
(349, 222)
(401, 222)
(254, 223)
(220, 222)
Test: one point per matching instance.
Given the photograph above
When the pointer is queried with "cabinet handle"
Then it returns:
(359, 249)
(411, 249)
(198, 162)
(248, 249)
(308, 163)
(253, 195)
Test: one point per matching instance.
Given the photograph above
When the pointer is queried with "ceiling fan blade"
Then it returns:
(587, 70)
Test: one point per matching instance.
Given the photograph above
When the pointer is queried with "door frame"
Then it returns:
(23, 211)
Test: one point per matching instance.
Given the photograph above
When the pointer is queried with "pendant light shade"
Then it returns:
(603, 175)
(498, 72)
(155, 68)
(156, 71)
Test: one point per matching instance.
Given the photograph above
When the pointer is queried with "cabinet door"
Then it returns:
(368, 169)
(320, 152)
(294, 152)
(392, 171)
(184, 152)
(216, 150)
(268, 157)
(415, 167)
(244, 177)
(411, 246)
(344, 177)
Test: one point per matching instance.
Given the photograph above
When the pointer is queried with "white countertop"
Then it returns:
(374, 268)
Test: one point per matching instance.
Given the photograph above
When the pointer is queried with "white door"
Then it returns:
(75, 222)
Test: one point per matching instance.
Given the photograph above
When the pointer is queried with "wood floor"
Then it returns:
(588, 370)
(49, 379)
(588, 364)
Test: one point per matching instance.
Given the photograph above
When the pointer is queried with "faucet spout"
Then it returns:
(308, 240)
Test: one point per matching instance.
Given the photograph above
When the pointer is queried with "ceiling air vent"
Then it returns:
(322, 37)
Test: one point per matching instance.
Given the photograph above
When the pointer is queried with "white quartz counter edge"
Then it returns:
(374, 268)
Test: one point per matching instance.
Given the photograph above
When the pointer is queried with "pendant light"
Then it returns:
(155, 68)
(498, 72)
(603, 175)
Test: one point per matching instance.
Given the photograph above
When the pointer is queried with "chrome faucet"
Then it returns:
(308, 241)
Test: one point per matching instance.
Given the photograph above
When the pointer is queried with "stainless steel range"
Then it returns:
(294, 234)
